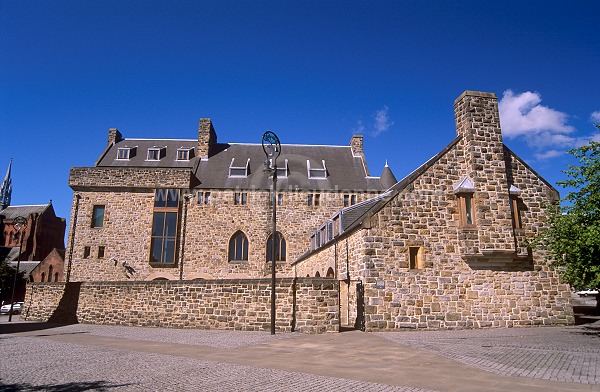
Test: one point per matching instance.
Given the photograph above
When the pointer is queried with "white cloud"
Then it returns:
(596, 116)
(382, 121)
(548, 154)
(360, 128)
(522, 115)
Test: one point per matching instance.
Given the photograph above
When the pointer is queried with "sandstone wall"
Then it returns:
(303, 305)
(204, 233)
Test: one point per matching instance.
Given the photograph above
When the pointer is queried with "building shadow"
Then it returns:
(66, 311)
(66, 387)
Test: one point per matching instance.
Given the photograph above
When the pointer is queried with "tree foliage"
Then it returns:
(573, 236)
(7, 278)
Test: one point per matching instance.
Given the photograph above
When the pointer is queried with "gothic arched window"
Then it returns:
(280, 247)
(238, 247)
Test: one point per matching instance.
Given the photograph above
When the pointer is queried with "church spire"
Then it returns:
(6, 188)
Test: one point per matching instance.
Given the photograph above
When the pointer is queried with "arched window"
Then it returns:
(238, 247)
(50, 274)
(56, 276)
(330, 273)
(280, 247)
(43, 277)
(317, 274)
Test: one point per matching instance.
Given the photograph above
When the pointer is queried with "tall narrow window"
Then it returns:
(279, 199)
(101, 252)
(467, 216)
(414, 257)
(98, 216)
(86, 252)
(50, 273)
(515, 212)
(238, 247)
(163, 245)
(280, 247)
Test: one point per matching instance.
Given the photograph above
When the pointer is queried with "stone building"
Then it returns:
(200, 209)
(188, 223)
(446, 247)
(44, 232)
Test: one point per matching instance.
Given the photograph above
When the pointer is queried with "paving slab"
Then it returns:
(100, 357)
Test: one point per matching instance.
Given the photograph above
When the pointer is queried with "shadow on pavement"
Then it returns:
(68, 387)
(16, 327)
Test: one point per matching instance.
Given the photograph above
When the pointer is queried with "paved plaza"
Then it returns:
(82, 357)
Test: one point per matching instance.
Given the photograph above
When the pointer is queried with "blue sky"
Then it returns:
(311, 71)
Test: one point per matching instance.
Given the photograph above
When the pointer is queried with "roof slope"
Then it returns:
(344, 170)
(11, 212)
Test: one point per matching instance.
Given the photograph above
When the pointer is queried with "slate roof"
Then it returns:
(345, 171)
(11, 212)
(24, 266)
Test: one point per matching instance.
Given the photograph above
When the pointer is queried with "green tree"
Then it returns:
(7, 278)
(573, 236)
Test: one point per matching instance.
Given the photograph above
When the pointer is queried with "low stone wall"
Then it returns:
(432, 299)
(309, 305)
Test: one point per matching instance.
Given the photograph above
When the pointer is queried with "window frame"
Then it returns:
(240, 250)
(280, 248)
(466, 209)
(515, 212)
(94, 223)
(415, 257)
(163, 206)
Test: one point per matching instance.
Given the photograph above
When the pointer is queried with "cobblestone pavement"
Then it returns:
(570, 354)
(33, 364)
(85, 357)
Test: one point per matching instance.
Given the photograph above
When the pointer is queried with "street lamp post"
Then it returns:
(20, 225)
(272, 148)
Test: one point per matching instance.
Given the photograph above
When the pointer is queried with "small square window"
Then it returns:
(184, 154)
(101, 252)
(346, 200)
(156, 153)
(98, 216)
(123, 153)
(153, 155)
(86, 252)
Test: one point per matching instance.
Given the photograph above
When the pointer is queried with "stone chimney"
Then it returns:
(356, 144)
(478, 122)
(207, 137)
(114, 136)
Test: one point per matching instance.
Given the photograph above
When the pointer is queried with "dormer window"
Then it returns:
(283, 171)
(239, 171)
(318, 173)
(156, 153)
(126, 153)
(185, 153)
